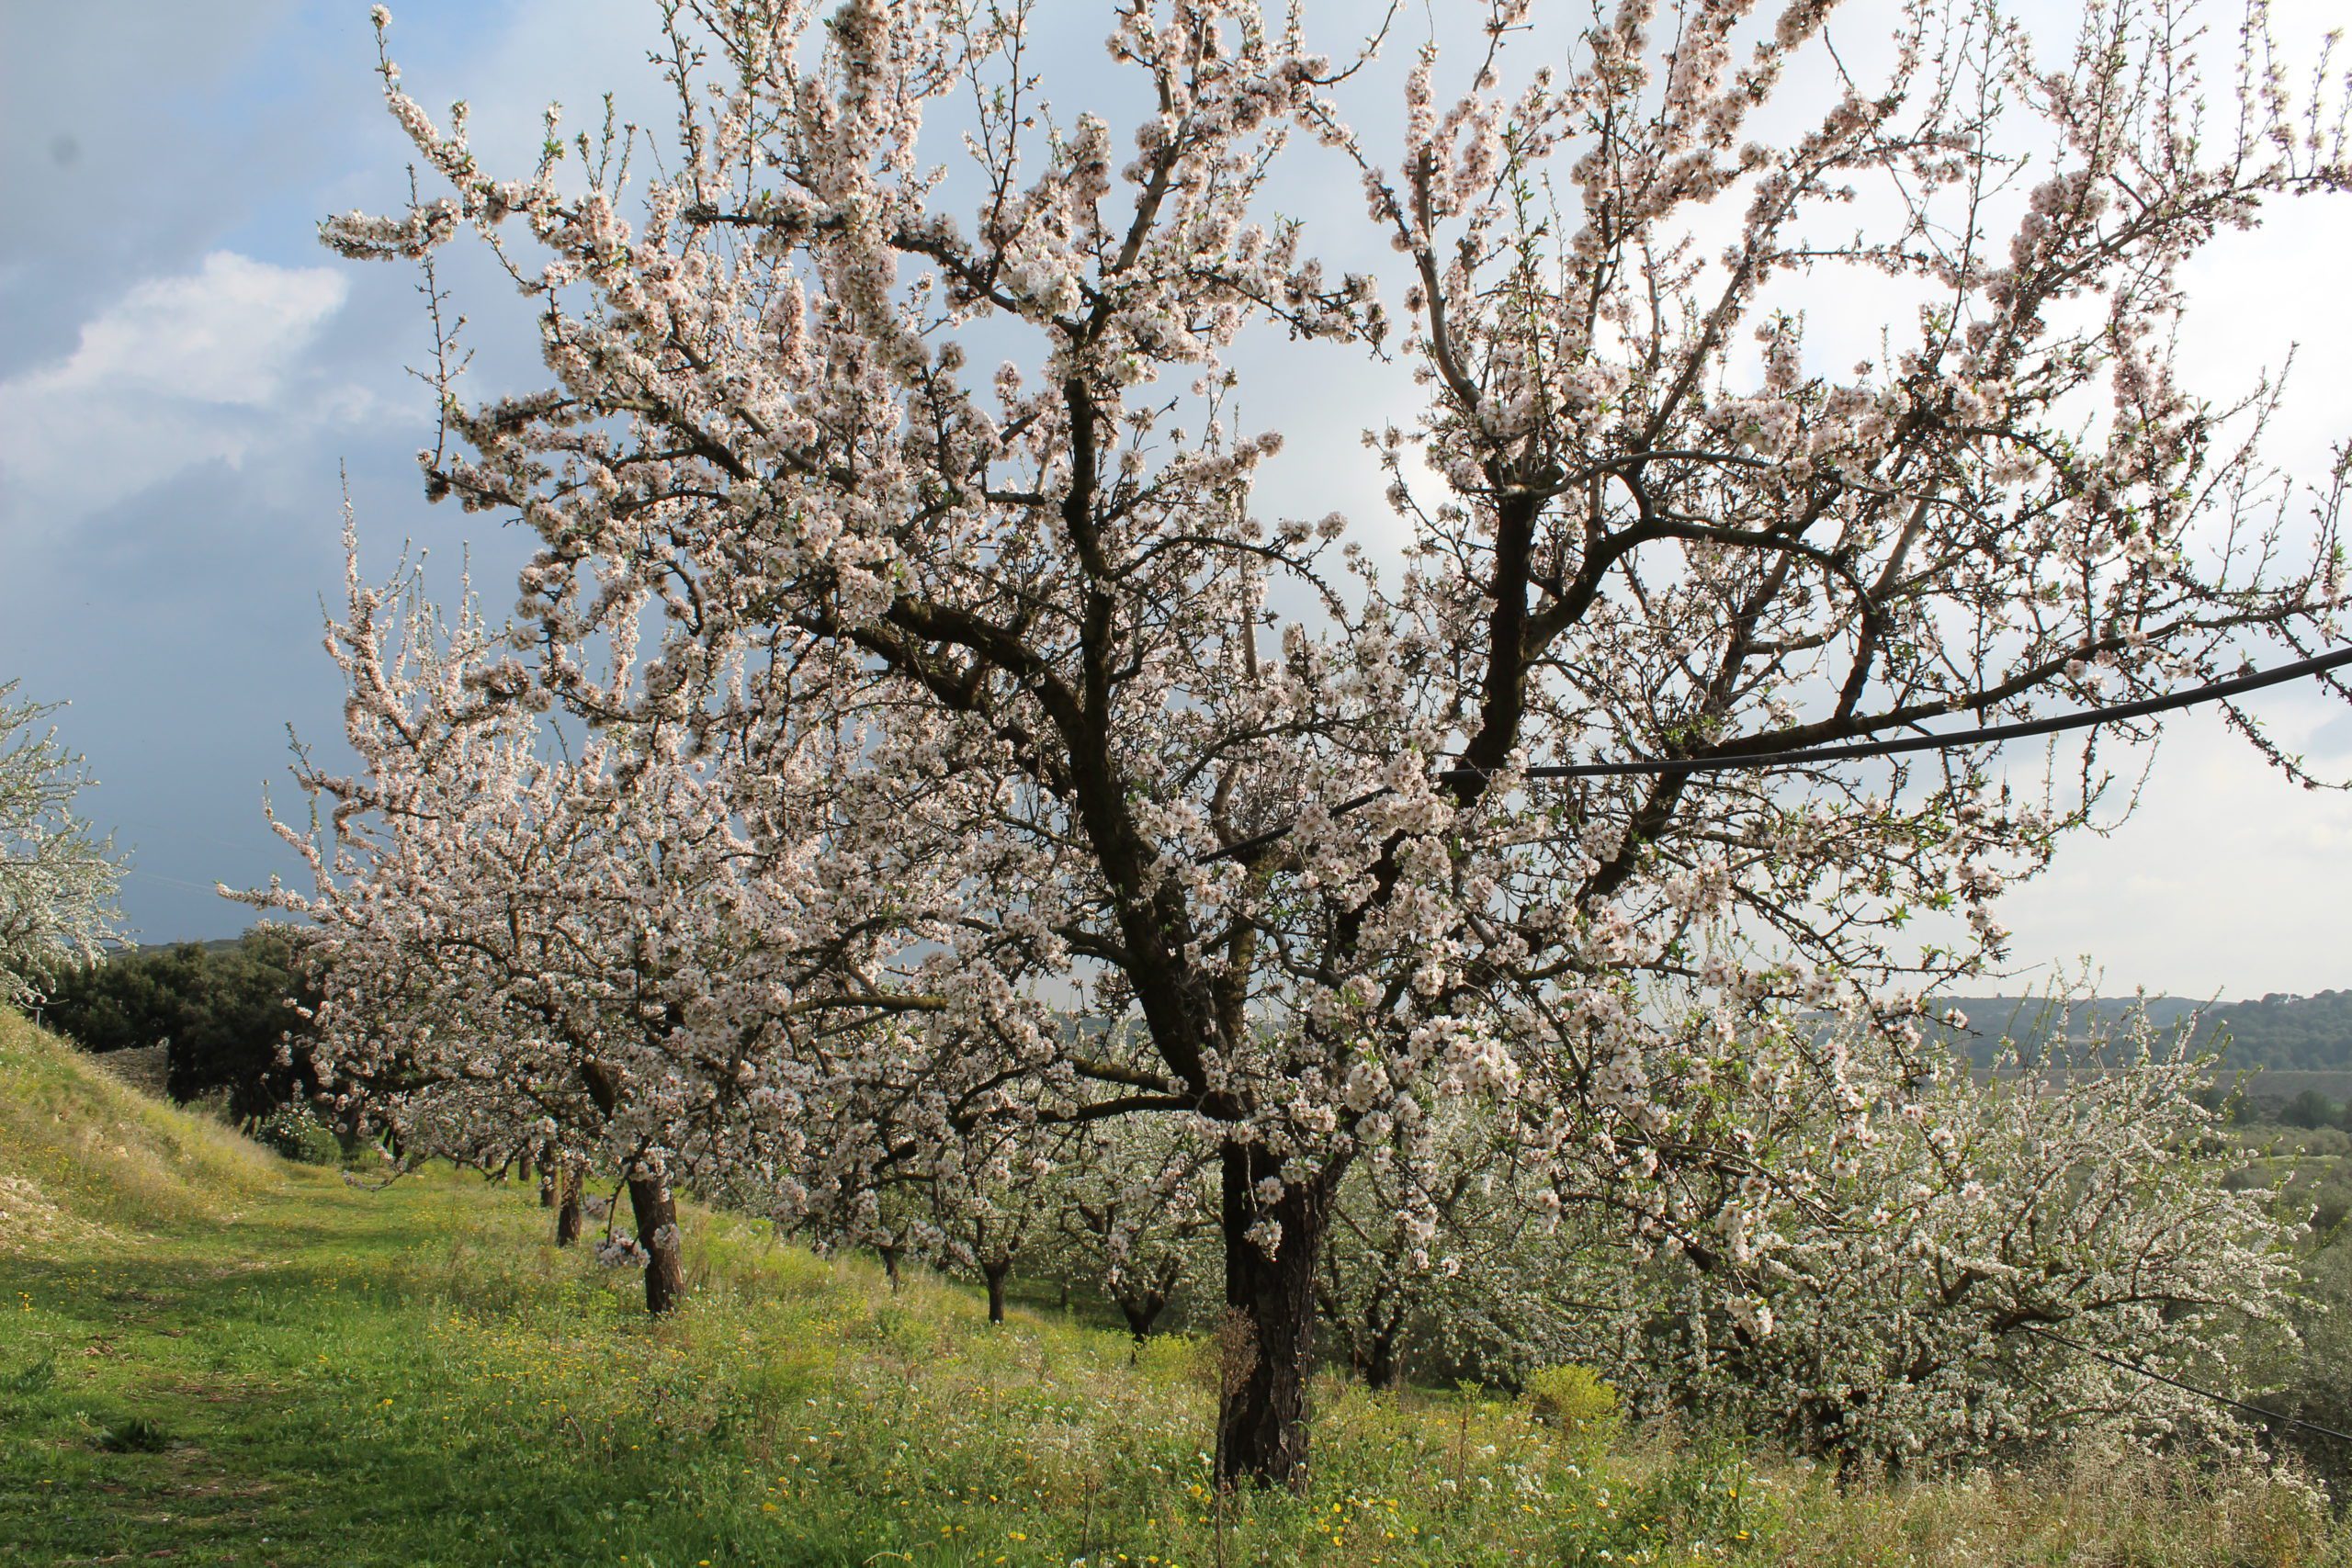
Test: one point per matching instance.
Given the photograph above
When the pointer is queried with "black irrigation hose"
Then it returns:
(2280, 1416)
(1988, 735)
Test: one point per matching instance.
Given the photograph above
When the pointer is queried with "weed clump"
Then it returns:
(1575, 1398)
(132, 1435)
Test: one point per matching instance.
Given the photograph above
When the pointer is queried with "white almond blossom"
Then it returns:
(1905, 1313)
(58, 877)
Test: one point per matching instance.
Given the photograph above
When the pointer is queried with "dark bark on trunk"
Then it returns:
(1142, 1309)
(1262, 1419)
(1383, 1368)
(1380, 1353)
(655, 1208)
(890, 1266)
(567, 1214)
(550, 1180)
(657, 1231)
(994, 1273)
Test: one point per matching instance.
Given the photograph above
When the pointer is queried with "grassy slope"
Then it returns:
(207, 1356)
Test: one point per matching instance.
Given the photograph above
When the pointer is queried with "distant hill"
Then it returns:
(2278, 1033)
(208, 944)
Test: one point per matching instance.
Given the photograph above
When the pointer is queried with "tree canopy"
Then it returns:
(57, 875)
(1017, 694)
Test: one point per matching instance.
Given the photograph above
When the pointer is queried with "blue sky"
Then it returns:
(185, 374)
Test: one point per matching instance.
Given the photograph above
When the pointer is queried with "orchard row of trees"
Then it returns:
(868, 709)
(527, 960)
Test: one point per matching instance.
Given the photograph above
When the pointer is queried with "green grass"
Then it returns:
(210, 1355)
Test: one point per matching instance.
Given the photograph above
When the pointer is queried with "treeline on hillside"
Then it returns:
(2280, 1032)
(2307, 1033)
(224, 1010)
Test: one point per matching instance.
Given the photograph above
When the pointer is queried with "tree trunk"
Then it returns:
(567, 1214)
(1261, 1425)
(1378, 1340)
(547, 1179)
(889, 1256)
(1141, 1308)
(1382, 1370)
(649, 1196)
(994, 1273)
(657, 1231)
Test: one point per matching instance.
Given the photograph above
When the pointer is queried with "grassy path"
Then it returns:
(236, 1394)
(333, 1375)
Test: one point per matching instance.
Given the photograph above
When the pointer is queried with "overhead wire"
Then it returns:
(1986, 735)
(1754, 761)
(2279, 1416)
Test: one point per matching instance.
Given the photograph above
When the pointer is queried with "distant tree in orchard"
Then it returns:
(1133, 1204)
(1261, 783)
(58, 877)
(1894, 1305)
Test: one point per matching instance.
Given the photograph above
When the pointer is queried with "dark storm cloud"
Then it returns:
(185, 374)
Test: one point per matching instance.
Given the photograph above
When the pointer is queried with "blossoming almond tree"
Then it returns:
(640, 952)
(1899, 1310)
(57, 877)
(1134, 1204)
(1225, 772)
(1450, 1244)
(1910, 1317)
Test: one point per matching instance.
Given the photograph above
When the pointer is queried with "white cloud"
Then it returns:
(201, 367)
(2227, 880)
